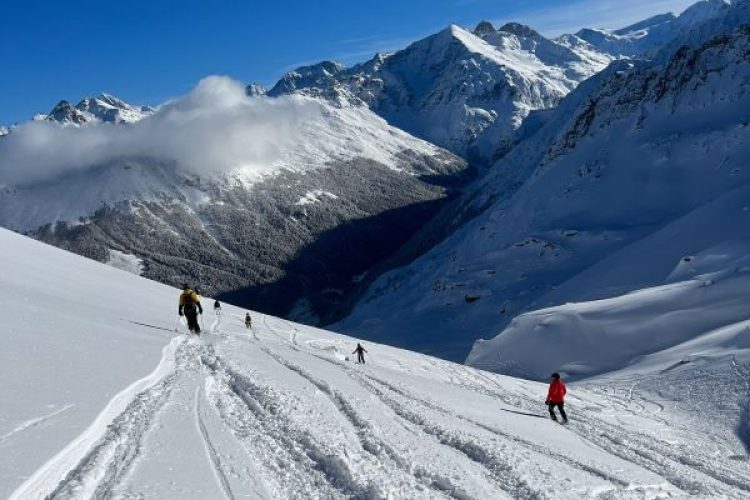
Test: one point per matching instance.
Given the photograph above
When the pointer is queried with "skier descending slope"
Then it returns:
(216, 326)
(248, 321)
(190, 306)
(360, 352)
(556, 397)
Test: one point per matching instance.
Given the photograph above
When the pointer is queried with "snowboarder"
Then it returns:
(556, 397)
(248, 321)
(360, 352)
(217, 308)
(190, 306)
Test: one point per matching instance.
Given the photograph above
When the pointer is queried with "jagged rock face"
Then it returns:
(631, 92)
(453, 86)
(623, 159)
(318, 75)
(484, 28)
(519, 30)
(64, 112)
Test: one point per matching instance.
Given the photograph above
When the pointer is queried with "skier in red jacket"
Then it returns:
(556, 397)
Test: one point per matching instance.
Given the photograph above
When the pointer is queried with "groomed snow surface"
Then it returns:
(101, 398)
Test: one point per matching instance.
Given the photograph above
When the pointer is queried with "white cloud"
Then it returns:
(214, 128)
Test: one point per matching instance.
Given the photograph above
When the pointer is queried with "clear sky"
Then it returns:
(148, 51)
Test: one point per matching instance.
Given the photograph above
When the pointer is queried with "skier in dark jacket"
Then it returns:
(556, 397)
(190, 306)
(248, 321)
(360, 352)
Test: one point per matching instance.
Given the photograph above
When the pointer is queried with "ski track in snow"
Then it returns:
(211, 450)
(34, 422)
(397, 398)
(368, 439)
(290, 459)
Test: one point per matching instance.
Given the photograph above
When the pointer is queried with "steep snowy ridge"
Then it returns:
(104, 400)
(452, 86)
(726, 19)
(647, 37)
(469, 91)
(672, 137)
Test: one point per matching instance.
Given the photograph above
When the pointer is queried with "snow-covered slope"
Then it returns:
(101, 398)
(207, 187)
(647, 37)
(690, 336)
(452, 86)
(647, 146)
(700, 313)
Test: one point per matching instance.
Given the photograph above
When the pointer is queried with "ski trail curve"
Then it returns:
(251, 409)
(369, 441)
(51, 478)
(397, 398)
(498, 469)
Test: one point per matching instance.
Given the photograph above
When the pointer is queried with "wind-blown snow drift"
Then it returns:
(216, 127)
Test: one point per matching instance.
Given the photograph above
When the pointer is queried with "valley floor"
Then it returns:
(282, 411)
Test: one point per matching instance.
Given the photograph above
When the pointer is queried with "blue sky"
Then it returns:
(149, 51)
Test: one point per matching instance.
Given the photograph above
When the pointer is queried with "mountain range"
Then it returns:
(456, 183)
(587, 206)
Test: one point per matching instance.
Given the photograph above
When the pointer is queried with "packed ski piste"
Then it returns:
(103, 398)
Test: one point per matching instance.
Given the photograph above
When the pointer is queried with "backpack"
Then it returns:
(187, 300)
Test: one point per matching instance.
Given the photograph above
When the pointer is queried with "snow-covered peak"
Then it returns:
(4, 130)
(642, 28)
(317, 75)
(484, 28)
(100, 108)
(520, 30)
(703, 11)
(645, 38)
(108, 108)
(255, 90)
(65, 112)
(109, 100)
(451, 86)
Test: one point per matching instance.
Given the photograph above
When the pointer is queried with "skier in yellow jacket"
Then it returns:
(190, 306)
